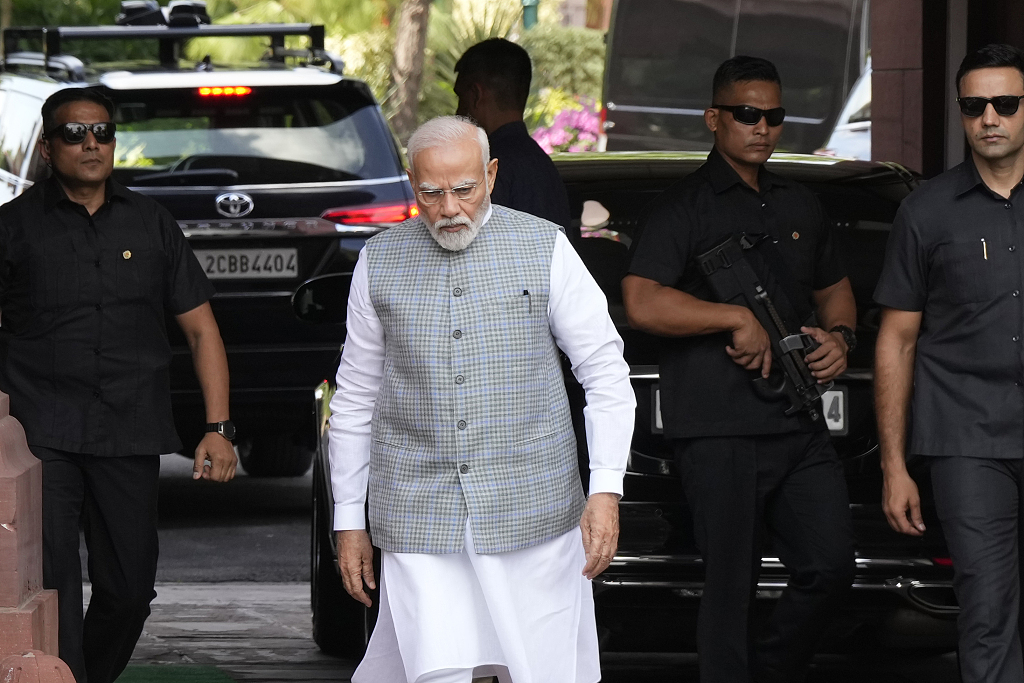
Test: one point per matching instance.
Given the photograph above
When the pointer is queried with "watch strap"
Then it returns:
(848, 336)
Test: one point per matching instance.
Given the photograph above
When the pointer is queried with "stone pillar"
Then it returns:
(28, 614)
(908, 79)
(35, 667)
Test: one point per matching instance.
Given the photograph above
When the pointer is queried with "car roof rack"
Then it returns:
(170, 39)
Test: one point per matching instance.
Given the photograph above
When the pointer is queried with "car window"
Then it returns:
(663, 55)
(19, 121)
(862, 114)
(271, 135)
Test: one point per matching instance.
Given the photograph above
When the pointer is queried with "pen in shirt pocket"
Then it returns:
(529, 301)
(984, 248)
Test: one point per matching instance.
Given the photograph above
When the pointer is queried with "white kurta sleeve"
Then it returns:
(359, 379)
(582, 328)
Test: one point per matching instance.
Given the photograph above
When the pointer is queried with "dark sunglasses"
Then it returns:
(1005, 105)
(74, 133)
(744, 113)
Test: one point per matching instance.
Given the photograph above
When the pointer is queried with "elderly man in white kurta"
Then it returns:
(451, 411)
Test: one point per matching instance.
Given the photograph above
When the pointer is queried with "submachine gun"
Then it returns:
(733, 281)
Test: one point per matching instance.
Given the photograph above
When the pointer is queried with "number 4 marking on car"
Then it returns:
(835, 410)
(833, 403)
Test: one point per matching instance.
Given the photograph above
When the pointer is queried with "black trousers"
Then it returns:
(978, 501)
(744, 491)
(115, 501)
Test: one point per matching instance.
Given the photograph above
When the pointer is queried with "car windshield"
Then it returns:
(268, 135)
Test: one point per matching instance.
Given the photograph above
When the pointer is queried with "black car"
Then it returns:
(646, 601)
(275, 170)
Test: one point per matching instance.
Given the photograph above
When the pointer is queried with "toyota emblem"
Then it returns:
(234, 204)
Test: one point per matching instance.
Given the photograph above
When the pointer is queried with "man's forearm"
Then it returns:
(211, 366)
(668, 312)
(836, 306)
(894, 381)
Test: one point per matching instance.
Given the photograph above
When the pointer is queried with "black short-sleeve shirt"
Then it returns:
(84, 353)
(527, 179)
(704, 393)
(956, 253)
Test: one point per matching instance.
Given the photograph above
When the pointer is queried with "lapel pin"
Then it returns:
(127, 254)
(796, 235)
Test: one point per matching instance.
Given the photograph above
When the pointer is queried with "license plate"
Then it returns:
(833, 407)
(248, 264)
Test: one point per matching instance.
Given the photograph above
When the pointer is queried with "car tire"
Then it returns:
(283, 454)
(341, 626)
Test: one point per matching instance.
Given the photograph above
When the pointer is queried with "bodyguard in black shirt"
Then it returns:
(87, 271)
(492, 85)
(749, 471)
(949, 358)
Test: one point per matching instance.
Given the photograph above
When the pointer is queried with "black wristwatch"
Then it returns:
(848, 336)
(225, 429)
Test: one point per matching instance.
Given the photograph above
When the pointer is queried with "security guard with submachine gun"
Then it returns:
(737, 270)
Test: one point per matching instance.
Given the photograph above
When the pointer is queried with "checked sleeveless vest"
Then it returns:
(471, 419)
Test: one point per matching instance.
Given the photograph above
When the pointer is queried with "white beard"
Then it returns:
(459, 240)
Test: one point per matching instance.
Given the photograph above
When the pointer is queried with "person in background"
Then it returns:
(492, 84)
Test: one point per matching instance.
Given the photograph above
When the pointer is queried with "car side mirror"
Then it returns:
(323, 299)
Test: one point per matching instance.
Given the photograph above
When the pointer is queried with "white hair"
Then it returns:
(444, 131)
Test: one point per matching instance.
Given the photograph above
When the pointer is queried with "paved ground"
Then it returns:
(233, 598)
(249, 631)
(260, 632)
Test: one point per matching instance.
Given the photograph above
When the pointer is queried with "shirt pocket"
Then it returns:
(971, 271)
(519, 320)
(516, 350)
(140, 274)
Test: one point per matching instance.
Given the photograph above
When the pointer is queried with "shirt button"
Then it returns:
(1016, 338)
(462, 424)
(1013, 248)
(96, 394)
(764, 204)
(99, 307)
(457, 334)
(1016, 292)
(457, 291)
(96, 351)
(459, 379)
(464, 469)
(1008, 205)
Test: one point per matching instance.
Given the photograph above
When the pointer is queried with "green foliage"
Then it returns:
(567, 58)
(341, 18)
(80, 13)
(64, 12)
(452, 31)
(568, 62)
(568, 67)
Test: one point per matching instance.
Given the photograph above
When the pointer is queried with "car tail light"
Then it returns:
(372, 214)
(943, 561)
(225, 91)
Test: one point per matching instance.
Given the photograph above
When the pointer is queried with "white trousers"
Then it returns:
(525, 616)
(447, 676)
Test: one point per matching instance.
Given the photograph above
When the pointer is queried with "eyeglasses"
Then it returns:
(1005, 105)
(748, 115)
(74, 133)
(462, 193)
